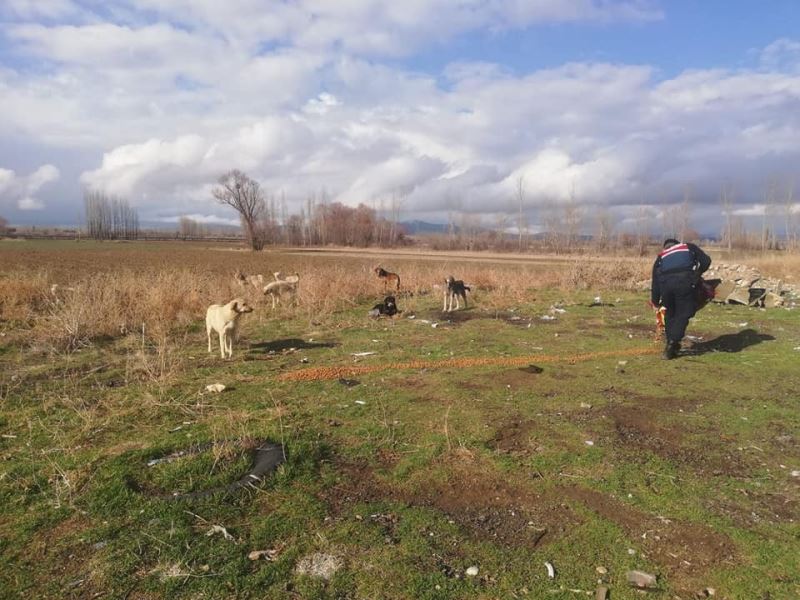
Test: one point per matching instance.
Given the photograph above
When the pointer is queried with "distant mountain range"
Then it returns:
(417, 227)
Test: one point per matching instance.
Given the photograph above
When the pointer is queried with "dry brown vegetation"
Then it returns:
(156, 292)
(110, 292)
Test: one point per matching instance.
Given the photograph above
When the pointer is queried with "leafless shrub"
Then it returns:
(23, 294)
(616, 275)
(108, 306)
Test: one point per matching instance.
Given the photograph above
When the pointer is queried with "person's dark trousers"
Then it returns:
(678, 296)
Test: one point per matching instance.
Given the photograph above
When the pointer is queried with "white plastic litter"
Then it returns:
(215, 388)
(220, 529)
(551, 572)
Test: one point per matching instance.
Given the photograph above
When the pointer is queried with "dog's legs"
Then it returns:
(458, 301)
(208, 335)
(222, 343)
(465, 300)
(444, 308)
(229, 339)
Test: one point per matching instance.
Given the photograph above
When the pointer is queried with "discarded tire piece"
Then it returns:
(266, 458)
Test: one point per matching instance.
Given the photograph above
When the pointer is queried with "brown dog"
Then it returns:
(387, 277)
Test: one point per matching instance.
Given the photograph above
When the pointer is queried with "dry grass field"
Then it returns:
(108, 290)
(433, 455)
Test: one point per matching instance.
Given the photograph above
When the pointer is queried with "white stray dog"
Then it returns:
(225, 321)
(282, 286)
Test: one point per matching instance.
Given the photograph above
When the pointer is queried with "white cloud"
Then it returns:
(47, 9)
(29, 203)
(203, 219)
(20, 190)
(756, 210)
(760, 210)
(380, 27)
(782, 54)
(299, 96)
(598, 133)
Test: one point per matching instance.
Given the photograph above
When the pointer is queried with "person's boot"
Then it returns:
(671, 350)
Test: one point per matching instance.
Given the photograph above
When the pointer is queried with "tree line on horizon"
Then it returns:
(265, 221)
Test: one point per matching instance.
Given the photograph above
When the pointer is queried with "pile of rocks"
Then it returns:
(741, 284)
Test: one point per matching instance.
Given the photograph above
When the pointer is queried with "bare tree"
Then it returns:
(643, 217)
(726, 198)
(767, 232)
(572, 221)
(394, 221)
(109, 217)
(500, 226)
(3, 226)
(189, 228)
(788, 214)
(684, 214)
(553, 228)
(244, 195)
(522, 225)
(605, 227)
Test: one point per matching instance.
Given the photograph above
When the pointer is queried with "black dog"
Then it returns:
(386, 308)
(455, 290)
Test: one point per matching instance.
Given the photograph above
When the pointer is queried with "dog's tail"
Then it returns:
(467, 288)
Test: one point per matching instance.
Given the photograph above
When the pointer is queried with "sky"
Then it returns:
(442, 107)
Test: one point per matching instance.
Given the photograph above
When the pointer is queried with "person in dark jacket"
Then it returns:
(676, 274)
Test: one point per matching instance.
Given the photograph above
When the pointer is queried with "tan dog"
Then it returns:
(257, 281)
(282, 286)
(225, 321)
